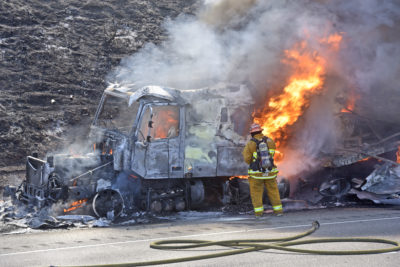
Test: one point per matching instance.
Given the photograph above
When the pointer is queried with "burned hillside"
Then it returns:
(54, 59)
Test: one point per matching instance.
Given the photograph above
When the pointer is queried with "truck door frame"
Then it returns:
(173, 147)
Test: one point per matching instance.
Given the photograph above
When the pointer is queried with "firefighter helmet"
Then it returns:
(255, 127)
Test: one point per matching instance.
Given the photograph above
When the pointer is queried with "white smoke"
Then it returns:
(193, 50)
(244, 40)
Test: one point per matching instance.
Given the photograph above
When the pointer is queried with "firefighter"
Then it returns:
(260, 177)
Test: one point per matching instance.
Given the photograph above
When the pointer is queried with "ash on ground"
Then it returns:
(18, 217)
(380, 187)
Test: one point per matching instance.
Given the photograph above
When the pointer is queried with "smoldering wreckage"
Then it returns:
(156, 150)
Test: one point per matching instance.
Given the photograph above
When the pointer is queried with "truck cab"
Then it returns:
(161, 133)
(152, 148)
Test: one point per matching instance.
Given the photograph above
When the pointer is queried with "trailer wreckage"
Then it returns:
(368, 163)
(162, 149)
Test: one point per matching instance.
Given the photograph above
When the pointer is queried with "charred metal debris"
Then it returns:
(366, 167)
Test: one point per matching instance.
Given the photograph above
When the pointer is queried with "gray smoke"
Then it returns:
(368, 66)
(223, 13)
(244, 41)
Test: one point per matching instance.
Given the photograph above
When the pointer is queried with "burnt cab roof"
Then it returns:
(234, 94)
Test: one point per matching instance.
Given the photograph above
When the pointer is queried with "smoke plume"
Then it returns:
(245, 40)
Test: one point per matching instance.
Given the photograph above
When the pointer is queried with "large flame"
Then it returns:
(398, 155)
(307, 79)
(308, 72)
(285, 109)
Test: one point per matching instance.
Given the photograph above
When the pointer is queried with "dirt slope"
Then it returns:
(54, 58)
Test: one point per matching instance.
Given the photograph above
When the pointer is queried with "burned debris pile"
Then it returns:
(368, 163)
(382, 186)
(16, 216)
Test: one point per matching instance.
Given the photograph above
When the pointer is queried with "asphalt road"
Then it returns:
(131, 243)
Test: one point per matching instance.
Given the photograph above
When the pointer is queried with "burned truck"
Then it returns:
(150, 148)
(162, 149)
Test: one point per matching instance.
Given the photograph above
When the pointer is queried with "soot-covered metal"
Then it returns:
(149, 148)
(161, 149)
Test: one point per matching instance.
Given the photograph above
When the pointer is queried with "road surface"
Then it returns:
(93, 246)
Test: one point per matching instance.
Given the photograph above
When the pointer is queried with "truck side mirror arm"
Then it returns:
(150, 125)
(143, 144)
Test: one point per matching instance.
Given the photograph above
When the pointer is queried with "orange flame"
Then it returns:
(104, 151)
(398, 155)
(333, 40)
(307, 79)
(165, 121)
(364, 159)
(278, 155)
(76, 204)
(285, 109)
(351, 102)
(239, 176)
(349, 107)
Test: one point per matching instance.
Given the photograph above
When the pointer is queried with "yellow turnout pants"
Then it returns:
(256, 193)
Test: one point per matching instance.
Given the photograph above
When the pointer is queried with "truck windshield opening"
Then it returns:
(116, 114)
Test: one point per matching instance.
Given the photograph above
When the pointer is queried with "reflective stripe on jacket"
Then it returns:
(250, 155)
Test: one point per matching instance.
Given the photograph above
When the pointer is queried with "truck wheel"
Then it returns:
(197, 193)
(108, 203)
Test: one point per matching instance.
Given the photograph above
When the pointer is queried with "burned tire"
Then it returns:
(108, 203)
(244, 191)
(239, 191)
(197, 193)
(284, 188)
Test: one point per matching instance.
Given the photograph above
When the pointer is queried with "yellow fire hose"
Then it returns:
(250, 245)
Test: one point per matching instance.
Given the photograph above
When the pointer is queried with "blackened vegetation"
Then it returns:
(54, 58)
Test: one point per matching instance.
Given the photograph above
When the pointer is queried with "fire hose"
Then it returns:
(249, 245)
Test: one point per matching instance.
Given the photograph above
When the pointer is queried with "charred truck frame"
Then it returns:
(152, 148)
(161, 149)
